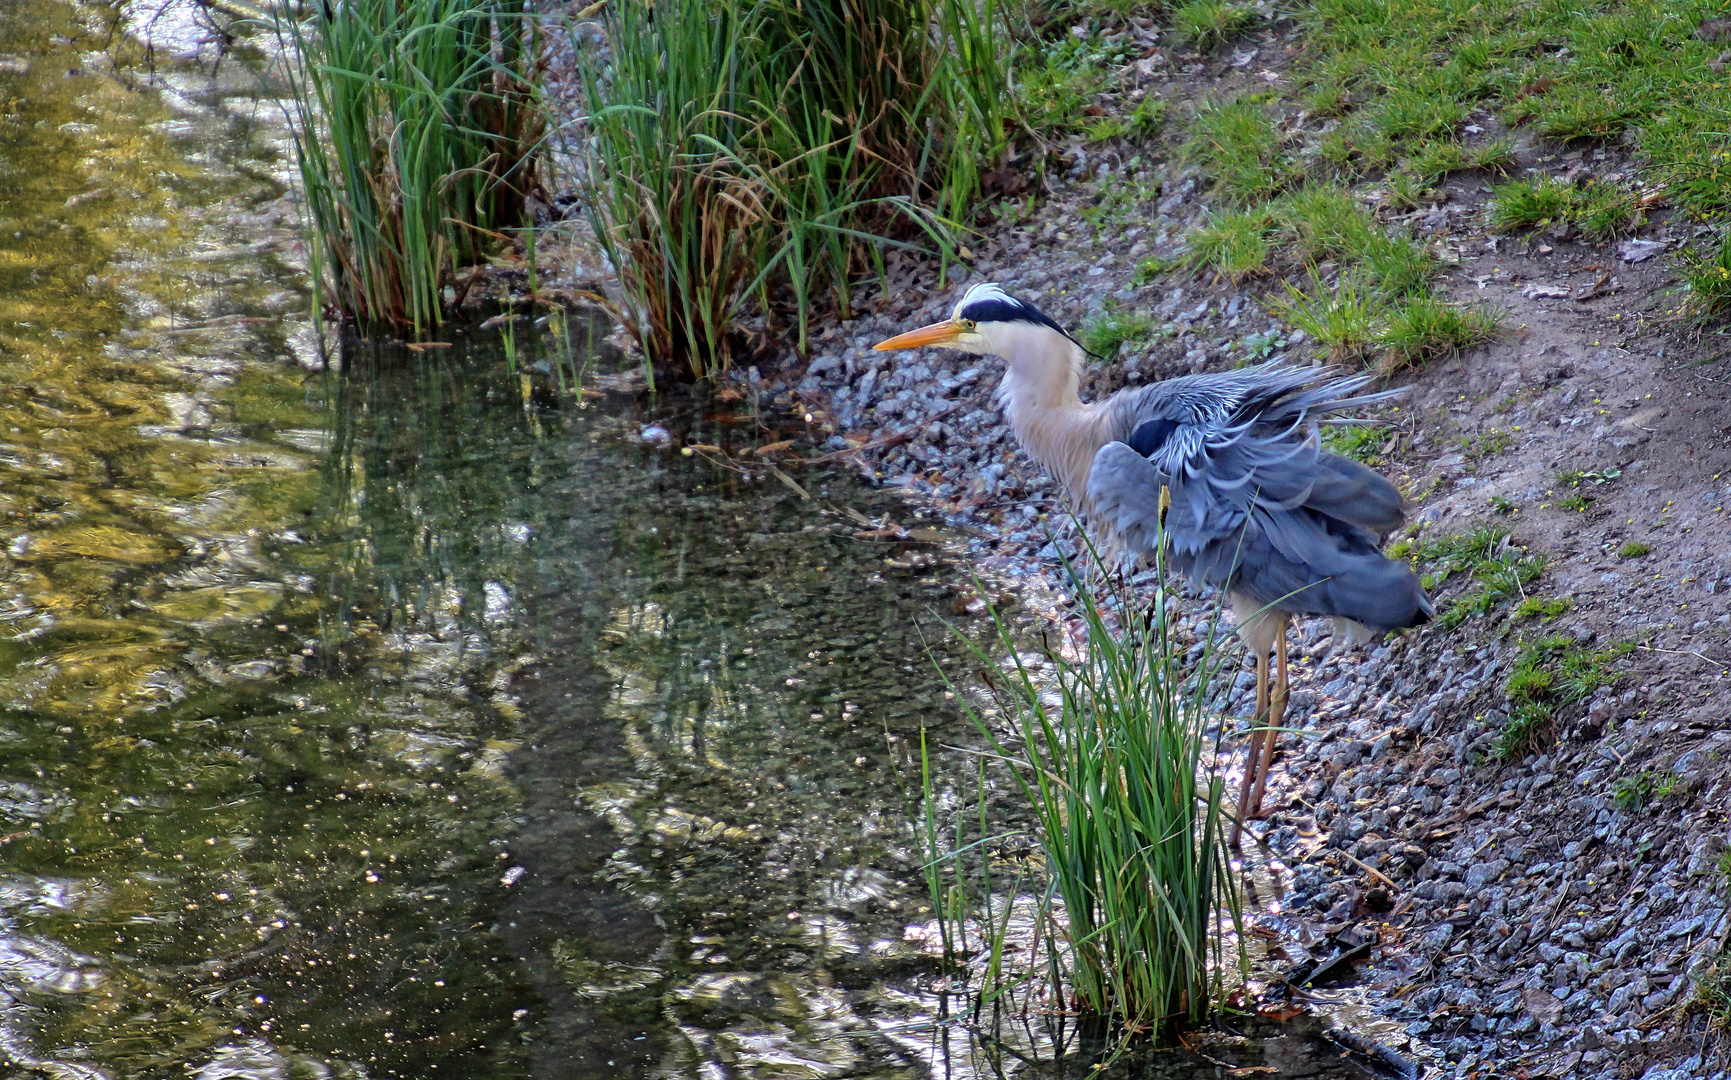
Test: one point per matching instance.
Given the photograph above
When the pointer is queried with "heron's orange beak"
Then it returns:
(939, 333)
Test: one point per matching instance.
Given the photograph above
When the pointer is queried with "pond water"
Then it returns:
(416, 720)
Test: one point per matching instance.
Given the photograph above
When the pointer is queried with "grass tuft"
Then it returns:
(1235, 143)
(1325, 222)
(1108, 331)
(1498, 569)
(1601, 211)
(417, 133)
(1233, 246)
(1531, 203)
(740, 153)
(1550, 672)
(1209, 24)
(1528, 729)
(1707, 280)
(1342, 321)
(1424, 327)
(1353, 320)
(1360, 442)
(1108, 747)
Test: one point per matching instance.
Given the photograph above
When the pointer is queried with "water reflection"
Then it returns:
(237, 830)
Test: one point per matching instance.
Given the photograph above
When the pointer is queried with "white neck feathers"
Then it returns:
(1041, 398)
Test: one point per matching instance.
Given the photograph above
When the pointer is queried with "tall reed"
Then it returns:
(1109, 746)
(418, 127)
(762, 153)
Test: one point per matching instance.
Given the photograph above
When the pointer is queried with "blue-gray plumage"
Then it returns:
(1258, 508)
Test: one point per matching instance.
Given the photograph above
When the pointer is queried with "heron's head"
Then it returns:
(991, 321)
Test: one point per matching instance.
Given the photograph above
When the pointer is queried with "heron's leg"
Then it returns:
(1276, 719)
(1257, 720)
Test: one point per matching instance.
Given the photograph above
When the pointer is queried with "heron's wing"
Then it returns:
(1274, 547)
(1255, 430)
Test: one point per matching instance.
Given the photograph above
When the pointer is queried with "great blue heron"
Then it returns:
(1257, 507)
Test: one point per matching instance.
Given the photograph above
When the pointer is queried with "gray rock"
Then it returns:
(1480, 874)
(1634, 251)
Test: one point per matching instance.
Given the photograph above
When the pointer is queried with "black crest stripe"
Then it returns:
(1006, 309)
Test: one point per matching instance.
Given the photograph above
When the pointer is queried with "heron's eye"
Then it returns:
(967, 324)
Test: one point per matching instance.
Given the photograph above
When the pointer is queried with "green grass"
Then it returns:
(1577, 500)
(1381, 304)
(1531, 203)
(1153, 269)
(1233, 246)
(1209, 24)
(1234, 142)
(1706, 278)
(418, 134)
(1409, 74)
(1634, 549)
(1139, 125)
(1600, 211)
(1550, 673)
(1537, 607)
(1402, 190)
(1342, 320)
(1712, 996)
(1528, 728)
(1403, 82)
(1354, 321)
(1054, 93)
(1423, 327)
(1360, 442)
(1486, 444)
(1107, 747)
(1105, 333)
(1324, 222)
(738, 154)
(1633, 793)
(1498, 569)
(1397, 265)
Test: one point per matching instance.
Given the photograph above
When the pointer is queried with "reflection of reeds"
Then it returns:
(417, 129)
(1109, 748)
(762, 151)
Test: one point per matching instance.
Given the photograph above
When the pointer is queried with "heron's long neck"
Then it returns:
(1041, 399)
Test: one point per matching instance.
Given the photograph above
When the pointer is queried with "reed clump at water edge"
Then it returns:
(418, 127)
(764, 153)
(1110, 745)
